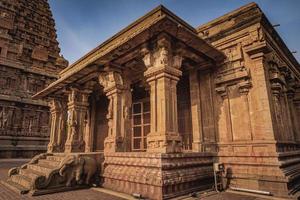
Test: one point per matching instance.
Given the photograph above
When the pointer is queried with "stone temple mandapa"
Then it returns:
(152, 108)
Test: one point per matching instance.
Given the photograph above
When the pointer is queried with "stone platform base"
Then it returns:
(277, 173)
(158, 175)
(22, 147)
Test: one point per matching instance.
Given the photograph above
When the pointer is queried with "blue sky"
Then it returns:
(84, 24)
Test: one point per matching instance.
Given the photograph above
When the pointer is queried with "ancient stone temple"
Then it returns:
(154, 107)
(29, 61)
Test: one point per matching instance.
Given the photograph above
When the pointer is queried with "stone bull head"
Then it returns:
(78, 168)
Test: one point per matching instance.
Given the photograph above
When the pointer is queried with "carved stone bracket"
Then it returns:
(244, 87)
(221, 91)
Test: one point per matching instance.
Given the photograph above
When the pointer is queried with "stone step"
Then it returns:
(32, 174)
(21, 180)
(15, 187)
(46, 169)
(52, 163)
(55, 158)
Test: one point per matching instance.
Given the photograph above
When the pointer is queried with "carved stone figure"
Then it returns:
(80, 168)
(72, 123)
(5, 117)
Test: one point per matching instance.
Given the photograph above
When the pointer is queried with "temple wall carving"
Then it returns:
(16, 121)
(29, 61)
(143, 173)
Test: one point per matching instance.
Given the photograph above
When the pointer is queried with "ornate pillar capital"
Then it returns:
(244, 87)
(276, 88)
(54, 105)
(162, 60)
(222, 91)
(112, 82)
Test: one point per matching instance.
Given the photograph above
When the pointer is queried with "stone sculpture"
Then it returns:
(79, 168)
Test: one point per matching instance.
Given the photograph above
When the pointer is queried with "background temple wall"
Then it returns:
(29, 61)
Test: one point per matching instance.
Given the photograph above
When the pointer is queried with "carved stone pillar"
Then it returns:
(288, 117)
(89, 120)
(296, 105)
(62, 126)
(90, 127)
(276, 90)
(245, 119)
(294, 117)
(281, 104)
(77, 117)
(196, 111)
(117, 91)
(224, 123)
(162, 74)
(55, 111)
(261, 116)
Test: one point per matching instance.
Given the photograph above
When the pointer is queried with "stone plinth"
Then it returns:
(258, 166)
(158, 175)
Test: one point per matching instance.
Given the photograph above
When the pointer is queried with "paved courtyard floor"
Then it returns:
(90, 194)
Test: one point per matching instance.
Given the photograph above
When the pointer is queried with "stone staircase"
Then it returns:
(40, 175)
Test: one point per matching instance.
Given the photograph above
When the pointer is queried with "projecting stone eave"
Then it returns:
(158, 20)
(228, 16)
(275, 42)
(247, 16)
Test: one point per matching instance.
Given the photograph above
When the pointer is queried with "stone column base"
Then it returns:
(74, 146)
(158, 175)
(113, 144)
(164, 143)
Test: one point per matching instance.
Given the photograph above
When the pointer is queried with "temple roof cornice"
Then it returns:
(158, 20)
(239, 20)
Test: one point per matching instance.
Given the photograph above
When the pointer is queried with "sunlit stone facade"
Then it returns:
(159, 102)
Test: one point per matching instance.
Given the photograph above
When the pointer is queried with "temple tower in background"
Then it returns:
(29, 61)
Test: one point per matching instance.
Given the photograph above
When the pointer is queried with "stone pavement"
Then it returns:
(87, 194)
